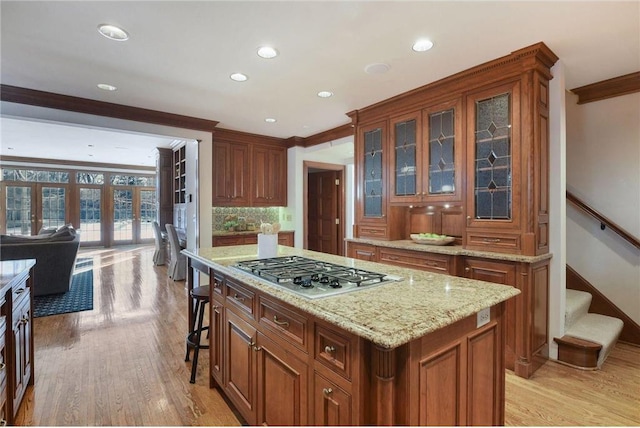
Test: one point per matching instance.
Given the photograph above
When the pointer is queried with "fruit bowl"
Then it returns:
(431, 239)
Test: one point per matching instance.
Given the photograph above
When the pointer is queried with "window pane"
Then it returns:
(90, 215)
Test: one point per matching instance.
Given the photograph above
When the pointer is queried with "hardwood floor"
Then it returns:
(122, 364)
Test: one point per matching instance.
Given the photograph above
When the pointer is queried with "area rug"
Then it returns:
(78, 298)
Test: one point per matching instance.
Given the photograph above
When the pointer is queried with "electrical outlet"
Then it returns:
(484, 316)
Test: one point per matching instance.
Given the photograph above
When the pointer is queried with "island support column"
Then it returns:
(384, 370)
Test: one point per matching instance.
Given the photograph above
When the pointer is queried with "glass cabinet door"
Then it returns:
(372, 152)
(406, 140)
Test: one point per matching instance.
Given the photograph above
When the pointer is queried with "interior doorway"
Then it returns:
(324, 207)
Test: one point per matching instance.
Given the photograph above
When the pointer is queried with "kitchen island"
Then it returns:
(427, 349)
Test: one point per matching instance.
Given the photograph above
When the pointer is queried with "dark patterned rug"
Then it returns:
(78, 298)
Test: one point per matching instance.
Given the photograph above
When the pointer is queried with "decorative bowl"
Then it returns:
(432, 241)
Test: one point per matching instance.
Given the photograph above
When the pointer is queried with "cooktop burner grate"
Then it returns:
(312, 278)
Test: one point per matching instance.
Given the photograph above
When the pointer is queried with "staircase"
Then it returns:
(588, 337)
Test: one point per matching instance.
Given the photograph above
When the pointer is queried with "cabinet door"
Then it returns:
(240, 365)
(4, 414)
(442, 152)
(499, 273)
(282, 386)
(270, 177)
(230, 174)
(405, 156)
(371, 177)
(332, 405)
(494, 162)
(22, 349)
(216, 340)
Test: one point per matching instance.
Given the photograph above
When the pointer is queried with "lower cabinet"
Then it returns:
(4, 417)
(22, 352)
(361, 251)
(279, 365)
(332, 405)
(284, 238)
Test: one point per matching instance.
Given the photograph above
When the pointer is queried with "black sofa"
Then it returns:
(55, 252)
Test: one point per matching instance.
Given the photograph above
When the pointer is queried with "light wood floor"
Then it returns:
(122, 364)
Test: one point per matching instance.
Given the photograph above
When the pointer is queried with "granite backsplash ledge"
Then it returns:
(250, 215)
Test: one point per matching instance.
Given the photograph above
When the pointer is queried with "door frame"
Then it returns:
(36, 202)
(341, 169)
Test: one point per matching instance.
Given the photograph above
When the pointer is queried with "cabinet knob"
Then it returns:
(327, 391)
(329, 349)
(467, 269)
(2, 366)
(238, 298)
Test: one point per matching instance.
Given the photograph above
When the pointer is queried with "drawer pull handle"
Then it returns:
(491, 240)
(329, 349)
(19, 291)
(238, 298)
(24, 321)
(467, 269)
(327, 391)
(257, 348)
(3, 422)
(281, 323)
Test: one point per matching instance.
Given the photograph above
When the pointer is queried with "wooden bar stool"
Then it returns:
(200, 296)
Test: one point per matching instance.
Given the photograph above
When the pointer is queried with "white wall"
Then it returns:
(603, 169)
(557, 205)
(319, 153)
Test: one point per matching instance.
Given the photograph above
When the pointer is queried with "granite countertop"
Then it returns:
(243, 232)
(388, 315)
(452, 250)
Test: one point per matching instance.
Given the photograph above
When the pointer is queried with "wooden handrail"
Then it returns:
(604, 221)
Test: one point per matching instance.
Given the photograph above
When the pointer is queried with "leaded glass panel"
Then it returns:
(493, 192)
(90, 178)
(11, 174)
(441, 152)
(373, 173)
(91, 214)
(405, 151)
(53, 206)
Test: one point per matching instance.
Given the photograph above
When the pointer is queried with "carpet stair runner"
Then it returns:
(588, 337)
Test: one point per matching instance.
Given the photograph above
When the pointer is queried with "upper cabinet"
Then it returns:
(230, 174)
(247, 172)
(426, 156)
(470, 150)
(269, 176)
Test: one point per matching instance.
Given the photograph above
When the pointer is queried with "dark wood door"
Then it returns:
(323, 211)
(332, 405)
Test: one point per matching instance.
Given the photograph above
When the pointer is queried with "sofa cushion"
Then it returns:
(63, 233)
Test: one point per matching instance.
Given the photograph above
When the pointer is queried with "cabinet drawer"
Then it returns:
(250, 239)
(499, 242)
(291, 326)
(372, 232)
(223, 241)
(362, 251)
(240, 296)
(217, 285)
(333, 350)
(425, 261)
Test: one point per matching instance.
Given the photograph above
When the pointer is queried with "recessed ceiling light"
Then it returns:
(270, 120)
(107, 87)
(113, 33)
(267, 52)
(422, 45)
(238, 77)
(325, 94)
(378, 68)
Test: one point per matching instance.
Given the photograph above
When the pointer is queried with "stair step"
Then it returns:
(597, 328)
(576, 306)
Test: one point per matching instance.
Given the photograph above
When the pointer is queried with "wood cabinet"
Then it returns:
(179, 175)
(4, 417)
(526, 337)
(248, 170)
(231, 170)
(22, 347)
(426, 155)
(16, 338)
(284, 238)
(269, 183)
(361, 251)
(282, 366)
(164, 185)
(375, 219)
(478, 140)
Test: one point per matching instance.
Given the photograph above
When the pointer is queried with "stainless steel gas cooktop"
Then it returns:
(311, 278)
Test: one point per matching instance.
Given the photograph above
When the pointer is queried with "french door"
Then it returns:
(28, 207)
(134, 210)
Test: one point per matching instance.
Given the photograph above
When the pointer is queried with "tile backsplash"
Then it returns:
(255, 215)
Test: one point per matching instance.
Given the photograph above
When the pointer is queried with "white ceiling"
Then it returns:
(180, 55)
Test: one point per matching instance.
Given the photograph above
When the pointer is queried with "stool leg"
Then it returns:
(194, 309)
(196, 351)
